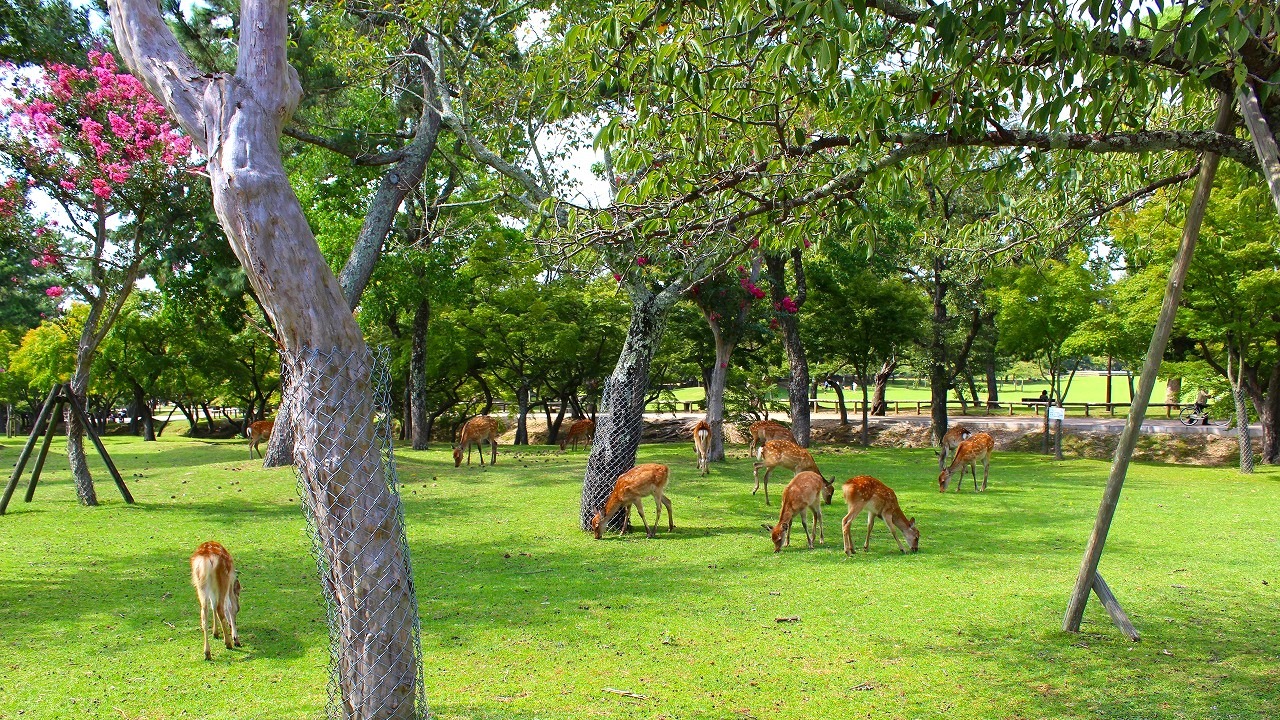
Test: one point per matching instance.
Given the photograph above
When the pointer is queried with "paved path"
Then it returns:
(1029, 423)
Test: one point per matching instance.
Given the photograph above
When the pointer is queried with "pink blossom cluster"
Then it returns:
(54, 291)
(751, 288)
(642, 261)
(96, 129)
(787, 305)
(48, 258)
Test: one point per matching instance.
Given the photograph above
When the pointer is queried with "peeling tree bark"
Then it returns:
(236, 120)
(798, 387)
(421, 426)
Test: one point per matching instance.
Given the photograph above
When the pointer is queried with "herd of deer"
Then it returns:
(772, 444)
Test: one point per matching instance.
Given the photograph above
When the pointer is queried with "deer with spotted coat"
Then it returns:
(976, 449)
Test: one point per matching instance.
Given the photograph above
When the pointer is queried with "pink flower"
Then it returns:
(101, 188)
(755, 244)
(41, 230)
(724, 365)
(617, 277)
(807, 243)
(35, 262)
(54, 291)
(67, 185)
(642, 261)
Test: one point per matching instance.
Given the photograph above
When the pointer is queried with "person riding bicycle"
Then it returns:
(1201, 403)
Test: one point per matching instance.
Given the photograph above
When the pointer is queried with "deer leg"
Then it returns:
(671, 523)
(894, 532)
(221, 618)
(493, 449)
(640, 509)
(657, 503)
(844, 528)
(204, 628)
(766, 485)
(974, 467)
(805, 524)
(229, 626)
(986, 470)
(755, 472)
(817, 525)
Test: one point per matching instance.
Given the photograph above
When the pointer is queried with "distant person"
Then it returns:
(1044, 396)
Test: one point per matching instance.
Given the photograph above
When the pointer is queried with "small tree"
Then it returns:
(96, 142)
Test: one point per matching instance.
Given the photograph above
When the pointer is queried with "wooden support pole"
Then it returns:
(26, 449)
(1112, 605)
(102, 450)
(1085, 579)
(44, 452)
(1264, 139)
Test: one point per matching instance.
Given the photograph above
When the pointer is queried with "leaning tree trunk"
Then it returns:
(840, 406)
(620, 421)
(421, 427)
(522, 415)
(236, 120)
(938, 379)
(715, 392)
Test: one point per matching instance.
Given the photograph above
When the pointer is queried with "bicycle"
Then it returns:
(1195, 415)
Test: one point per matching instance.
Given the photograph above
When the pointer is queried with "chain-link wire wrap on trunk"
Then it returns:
(620, 422)
(347, 480)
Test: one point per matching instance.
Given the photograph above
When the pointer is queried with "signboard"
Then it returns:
(1057, 413)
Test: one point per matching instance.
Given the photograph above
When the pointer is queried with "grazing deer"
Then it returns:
(481, 428)
(801, 497)
(702, 444)
(256, 432)
(762, 431)
(218, 590)
(972, 451)
(580, 431)
(632, 486)
(950, 441)
(786, 454)
(880, 501)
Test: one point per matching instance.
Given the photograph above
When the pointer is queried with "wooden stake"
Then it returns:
(1112, 605)
(1085, 579)
(26, 449)
(44, 451)
(1264, 140)
(102, 450)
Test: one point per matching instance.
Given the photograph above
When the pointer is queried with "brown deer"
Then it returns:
(214, 576)
(702, 444)
(256, 432)
(880, 501)
(481, 428)
(950, 441)
(789, 455)
(801, 497)
(631, 487)
(583, 431)
(970, 452)
(762, 431)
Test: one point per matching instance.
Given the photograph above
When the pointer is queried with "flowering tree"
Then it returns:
(96, 143)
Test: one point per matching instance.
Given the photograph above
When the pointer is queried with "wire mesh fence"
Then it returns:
(347, 479)
(619, 426)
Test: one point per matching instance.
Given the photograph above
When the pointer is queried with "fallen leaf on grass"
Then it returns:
(626, 693)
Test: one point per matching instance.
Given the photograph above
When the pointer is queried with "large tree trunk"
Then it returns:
(993, 382)
(798, 386)
(144, 412)
(421, 430)
(834, 382)
(522, 415)
(938, 376)
(878, 404)
(715, 393)
(620, 421)
(359, 531)
(281, 442)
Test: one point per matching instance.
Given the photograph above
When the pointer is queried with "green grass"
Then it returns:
(97, 617)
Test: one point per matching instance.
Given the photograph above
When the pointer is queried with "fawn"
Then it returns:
(801, 497)
(702, 444)
(971, 451)
(879, 499)
(950, 441)
(583, 431)
(631, 487)
(762, 431)
(478, 429)
(214, 576)
(786, 454)
(256, 432)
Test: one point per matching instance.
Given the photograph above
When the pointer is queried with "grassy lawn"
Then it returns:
(523, 616)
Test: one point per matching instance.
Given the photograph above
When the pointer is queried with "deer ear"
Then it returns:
(768, 528)
(912, 522)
